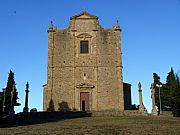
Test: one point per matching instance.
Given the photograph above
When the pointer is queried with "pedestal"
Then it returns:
(154, 112)
(141, 108)
(25, 109)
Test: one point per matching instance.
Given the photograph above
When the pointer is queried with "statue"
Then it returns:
(26, 109)
(154, 110)
(12, 112)
(139, 86)
(141, 106)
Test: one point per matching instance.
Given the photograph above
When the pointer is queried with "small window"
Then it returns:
(84, 47)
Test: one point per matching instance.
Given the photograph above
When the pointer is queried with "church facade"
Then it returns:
(85, 67)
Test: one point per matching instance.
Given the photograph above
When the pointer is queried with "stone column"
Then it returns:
(26, 109)
(141, 106)
(154, 110)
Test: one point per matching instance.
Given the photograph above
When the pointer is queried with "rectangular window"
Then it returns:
(84, 47)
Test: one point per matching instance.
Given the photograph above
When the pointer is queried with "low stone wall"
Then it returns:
(166, 114)
(118, 113)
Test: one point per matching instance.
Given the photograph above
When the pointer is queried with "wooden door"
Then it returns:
(84, 101)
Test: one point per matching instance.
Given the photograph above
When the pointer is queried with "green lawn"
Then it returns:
(102, 125)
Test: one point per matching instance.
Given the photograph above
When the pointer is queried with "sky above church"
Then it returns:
(150, 40)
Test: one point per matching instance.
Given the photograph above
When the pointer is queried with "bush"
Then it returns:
(176, 113)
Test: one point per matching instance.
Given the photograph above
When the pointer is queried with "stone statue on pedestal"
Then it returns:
(154, 110)
(26, 109)
(12, 112)
(141, 106)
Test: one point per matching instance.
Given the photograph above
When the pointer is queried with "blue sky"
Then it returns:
(150, 40)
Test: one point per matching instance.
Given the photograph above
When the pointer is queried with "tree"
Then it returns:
(176, 98)
(1, 102)
(9, 92)
(171, 84)
(170, 92)
(156, 81)
(172, 88)
(163, 92)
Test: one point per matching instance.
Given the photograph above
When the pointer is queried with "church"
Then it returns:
(84, 71)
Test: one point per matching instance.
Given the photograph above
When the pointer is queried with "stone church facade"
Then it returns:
(85, 67)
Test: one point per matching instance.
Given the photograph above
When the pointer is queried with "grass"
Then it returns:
(101, 125)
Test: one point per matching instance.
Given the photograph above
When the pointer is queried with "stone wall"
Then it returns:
(115, 113)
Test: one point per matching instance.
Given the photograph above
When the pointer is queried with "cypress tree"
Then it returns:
(163, 92)
(171, 85)
(9, 89)
(156, 81)
(170, 92)
(1, 102)
(176, 98)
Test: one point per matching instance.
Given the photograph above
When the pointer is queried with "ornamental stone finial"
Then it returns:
(113, 26)
(117, 27)
(117, 24)
(51, 25)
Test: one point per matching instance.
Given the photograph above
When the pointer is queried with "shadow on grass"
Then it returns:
(22, 119)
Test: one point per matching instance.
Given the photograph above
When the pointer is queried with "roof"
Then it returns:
(84, 14)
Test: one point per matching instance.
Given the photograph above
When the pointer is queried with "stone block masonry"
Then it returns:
(84, 59)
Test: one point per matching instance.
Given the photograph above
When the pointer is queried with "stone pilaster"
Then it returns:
(49, 87)
(117, 36)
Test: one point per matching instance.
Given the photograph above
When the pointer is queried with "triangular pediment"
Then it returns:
(84, 35)
(85, 85)
(84, 15)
